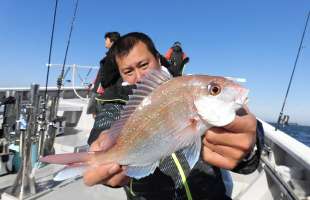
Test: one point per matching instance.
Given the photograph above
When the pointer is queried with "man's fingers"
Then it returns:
(242, 124)
(219, 136)
(102, 143)
(225, 151)
(117, 180)
(225, 147)
(95, 146)
(103, 172)
(218, 160)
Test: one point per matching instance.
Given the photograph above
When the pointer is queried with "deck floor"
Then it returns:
(73, 138)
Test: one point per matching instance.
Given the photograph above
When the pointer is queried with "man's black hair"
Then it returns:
(123, 46)
(177, 43)
(114, 36)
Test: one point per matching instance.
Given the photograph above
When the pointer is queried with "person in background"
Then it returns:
(230, 147)
(106, 67)
(177, 59)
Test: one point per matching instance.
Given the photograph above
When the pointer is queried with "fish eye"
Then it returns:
(214, 89)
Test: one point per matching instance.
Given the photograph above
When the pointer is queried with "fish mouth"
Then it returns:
(243, 97)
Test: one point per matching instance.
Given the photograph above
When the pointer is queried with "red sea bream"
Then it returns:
(162, 116)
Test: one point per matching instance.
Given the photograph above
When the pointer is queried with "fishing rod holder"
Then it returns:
(48, 128)
(32, 130)
(8, 116)
(24, 184)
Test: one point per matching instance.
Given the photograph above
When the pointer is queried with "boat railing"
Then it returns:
(287, 160)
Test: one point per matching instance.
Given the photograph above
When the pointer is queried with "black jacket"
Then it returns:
(110, 105)
(108, 73)
(205, 181)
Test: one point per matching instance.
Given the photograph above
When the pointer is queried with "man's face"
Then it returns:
(108, 43)
(137, 63)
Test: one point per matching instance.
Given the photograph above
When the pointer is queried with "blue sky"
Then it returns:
(257, 40)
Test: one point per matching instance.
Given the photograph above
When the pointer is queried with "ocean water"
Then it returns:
(299, 132)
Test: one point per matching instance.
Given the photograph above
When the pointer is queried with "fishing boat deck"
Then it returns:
(48, 189)
(74, 139)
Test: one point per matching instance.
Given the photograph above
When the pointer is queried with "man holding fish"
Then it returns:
(174, 134)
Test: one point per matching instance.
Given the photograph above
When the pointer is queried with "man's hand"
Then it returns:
(112, 175)
(226, 147)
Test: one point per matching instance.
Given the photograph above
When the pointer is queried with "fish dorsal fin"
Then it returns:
(148, 83)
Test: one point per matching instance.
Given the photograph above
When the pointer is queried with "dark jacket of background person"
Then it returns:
(106, 67)
(106, 76)
(109, 72)
(103, 78)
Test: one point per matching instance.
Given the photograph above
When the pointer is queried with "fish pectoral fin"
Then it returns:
(192, 152)
(141, 171)
(70, 171)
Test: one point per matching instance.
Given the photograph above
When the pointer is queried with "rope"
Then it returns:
(73, 84)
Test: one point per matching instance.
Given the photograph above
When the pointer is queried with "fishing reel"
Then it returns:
(283, 121)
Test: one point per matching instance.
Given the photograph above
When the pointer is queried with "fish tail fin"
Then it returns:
(68, 158)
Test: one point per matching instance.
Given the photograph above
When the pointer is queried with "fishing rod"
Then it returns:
(42, 120)
(50, 54)
(293, 72)
(61, 77)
